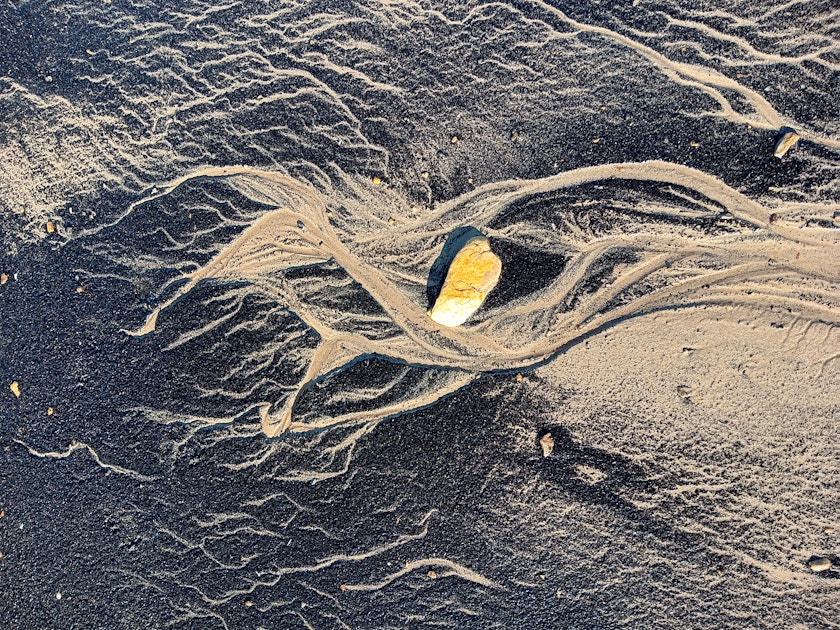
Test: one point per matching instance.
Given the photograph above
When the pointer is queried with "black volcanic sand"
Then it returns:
(694, 476)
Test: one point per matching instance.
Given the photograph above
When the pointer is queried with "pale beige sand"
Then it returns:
(725, 398)
(757, 261)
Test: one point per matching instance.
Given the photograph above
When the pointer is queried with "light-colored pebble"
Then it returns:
(818, 565)
(785, 143)
(473, 273)
(547, 444)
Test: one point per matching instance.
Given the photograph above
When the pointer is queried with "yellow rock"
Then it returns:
(15, 387)
(472, 275)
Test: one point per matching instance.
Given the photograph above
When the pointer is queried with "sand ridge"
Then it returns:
(690, 270)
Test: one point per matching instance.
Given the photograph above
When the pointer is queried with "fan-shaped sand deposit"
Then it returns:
(713, 246)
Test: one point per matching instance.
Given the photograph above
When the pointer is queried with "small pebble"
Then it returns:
(785, 143)
(58, 595)
(50, 227)
(819, 564)
(432, 574)
(684, 391)
(376, 181)
(15, 387)
(547, 444)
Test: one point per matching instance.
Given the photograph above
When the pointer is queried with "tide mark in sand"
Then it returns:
(444, 568)
(702, 78)
(691, 241)
(76, 446)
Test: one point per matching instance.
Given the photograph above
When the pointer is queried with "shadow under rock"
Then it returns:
(595, 476)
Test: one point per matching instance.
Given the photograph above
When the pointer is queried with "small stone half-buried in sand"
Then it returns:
(472, 275)
(787, 138)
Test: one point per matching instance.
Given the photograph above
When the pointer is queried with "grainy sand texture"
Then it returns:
(226, 405)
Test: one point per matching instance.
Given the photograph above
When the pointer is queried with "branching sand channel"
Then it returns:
(612, 242)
